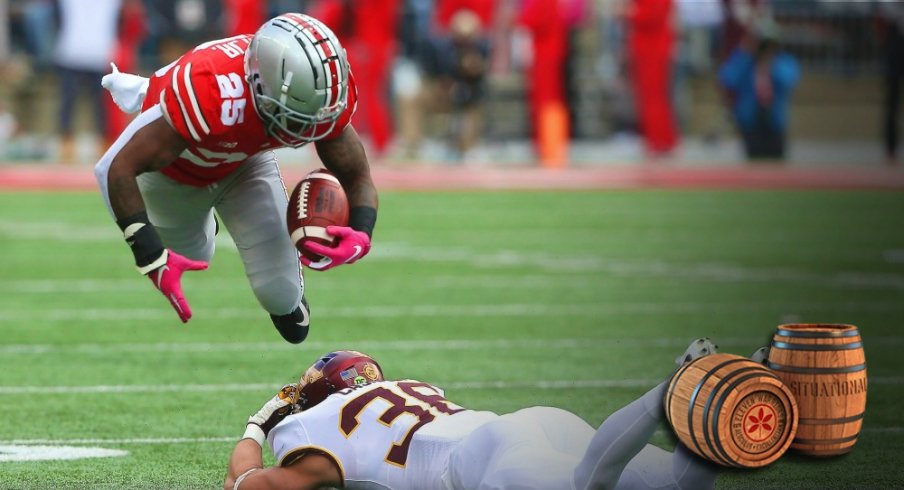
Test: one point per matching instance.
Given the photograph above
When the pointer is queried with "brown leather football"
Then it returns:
(317, 201)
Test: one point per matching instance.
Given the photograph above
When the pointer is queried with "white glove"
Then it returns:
(272, 413)
(128, 90)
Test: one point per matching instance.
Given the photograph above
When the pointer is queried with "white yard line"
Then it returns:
(451, 385)
(393, 345)
(396, 345)
(249, 387)
(138, 440)
(588, 277)
(234, 439)
(894, 256)
(445, 310)
(504, 259)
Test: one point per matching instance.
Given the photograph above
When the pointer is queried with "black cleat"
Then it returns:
(294, 326)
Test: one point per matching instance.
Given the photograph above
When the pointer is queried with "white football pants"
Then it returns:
(251, 202)
(545, 448)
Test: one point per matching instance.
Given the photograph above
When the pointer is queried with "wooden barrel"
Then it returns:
(731, 410)
(825, 368)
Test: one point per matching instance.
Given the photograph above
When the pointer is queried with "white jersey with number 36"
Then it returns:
(389, 434)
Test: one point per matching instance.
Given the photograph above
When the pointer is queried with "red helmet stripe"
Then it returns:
(298, 19)
(329, 75)
(327, 49)
(335, 80)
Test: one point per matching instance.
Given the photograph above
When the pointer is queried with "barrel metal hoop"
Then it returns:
(841, 420)
(690, 406)
(728, 391)
(817, 335)
(787, 346)
(823, 442)
(805, 370)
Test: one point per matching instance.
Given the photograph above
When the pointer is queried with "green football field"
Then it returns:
(580, 300)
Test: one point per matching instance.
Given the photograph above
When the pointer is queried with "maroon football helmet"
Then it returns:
(333, 372)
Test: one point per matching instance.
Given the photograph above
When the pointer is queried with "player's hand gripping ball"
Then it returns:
(318, 201)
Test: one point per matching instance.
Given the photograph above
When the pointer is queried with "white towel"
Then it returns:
(128, 90)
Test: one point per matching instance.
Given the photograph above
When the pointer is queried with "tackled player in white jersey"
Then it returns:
(203, 142)
(343, 425)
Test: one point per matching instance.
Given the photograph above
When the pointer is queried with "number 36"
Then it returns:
(399, 404)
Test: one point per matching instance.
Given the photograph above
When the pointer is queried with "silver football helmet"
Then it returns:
(298, 73)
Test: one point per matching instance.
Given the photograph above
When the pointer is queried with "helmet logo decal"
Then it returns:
(371, 372)
(313, 375)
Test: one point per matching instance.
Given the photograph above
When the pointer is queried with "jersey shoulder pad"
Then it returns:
(189, 96)
(302, 434)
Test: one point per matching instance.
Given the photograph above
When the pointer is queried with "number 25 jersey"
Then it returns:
(384, 435)
(205, 98)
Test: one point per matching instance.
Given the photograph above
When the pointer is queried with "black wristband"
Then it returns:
(363, 218)
(142, 238)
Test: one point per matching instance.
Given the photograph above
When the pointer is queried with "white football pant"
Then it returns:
(545, 448)
(251, 202)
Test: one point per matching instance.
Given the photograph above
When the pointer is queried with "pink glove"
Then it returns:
(166, 278)
(351, 246)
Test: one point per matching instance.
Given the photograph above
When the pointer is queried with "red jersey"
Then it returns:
(205, 98)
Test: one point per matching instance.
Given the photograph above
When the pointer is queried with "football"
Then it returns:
(317, 201)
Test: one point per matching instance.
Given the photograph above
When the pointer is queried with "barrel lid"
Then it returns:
(817, 330)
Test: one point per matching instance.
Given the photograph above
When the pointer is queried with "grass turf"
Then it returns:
(485, 293)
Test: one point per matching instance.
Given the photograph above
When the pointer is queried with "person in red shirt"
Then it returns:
(203, 142)
(650, 47)
(546, 21)
(243, 16)
(368, 30)
(132, 30)
(484, 9)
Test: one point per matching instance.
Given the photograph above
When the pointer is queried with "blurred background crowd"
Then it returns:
(551, 82)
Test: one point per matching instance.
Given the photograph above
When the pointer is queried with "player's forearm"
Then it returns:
(345, 157)
(362, 193)
(124, 194)
(147, 150)
(129, 210)
(151, 147)
(245, 457)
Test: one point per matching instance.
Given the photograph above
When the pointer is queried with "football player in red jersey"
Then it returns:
(344, 425)
(202, 143)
